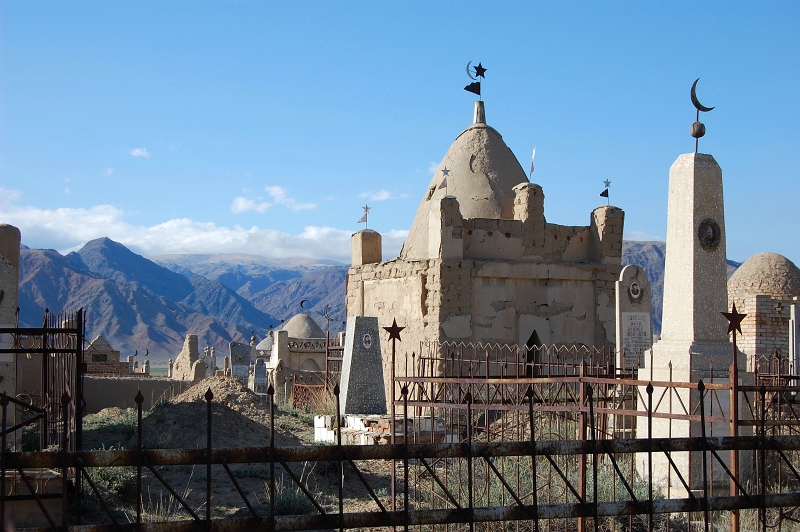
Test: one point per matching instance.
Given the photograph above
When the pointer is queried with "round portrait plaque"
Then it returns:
(709, 234)
(635, 291)
(367, 340)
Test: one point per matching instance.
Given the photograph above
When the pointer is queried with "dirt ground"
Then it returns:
(239, 419)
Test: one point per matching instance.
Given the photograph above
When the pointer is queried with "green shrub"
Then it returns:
(290, 500)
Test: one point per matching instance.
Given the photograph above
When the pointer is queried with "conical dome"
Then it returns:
(767, 274)
(302, 326)
(481, 173)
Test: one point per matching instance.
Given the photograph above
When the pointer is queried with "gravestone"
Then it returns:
(362, 388)
(634, 322)
(260, 377)
(240, 362)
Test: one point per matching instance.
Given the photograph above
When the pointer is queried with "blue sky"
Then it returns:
(264, 127)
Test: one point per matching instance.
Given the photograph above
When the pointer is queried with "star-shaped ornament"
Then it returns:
(479, 71)
(394, 331)
(367, 208)
(607, 183)
(445, 172)
(734, 320)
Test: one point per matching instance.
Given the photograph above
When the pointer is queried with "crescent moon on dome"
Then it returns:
(695, 101)
(303, 302)
(473, 78)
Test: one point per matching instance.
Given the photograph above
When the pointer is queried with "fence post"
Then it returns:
(763, 458)
(582, 436)
(529, 395)
(139, 400)
(734, 411)
(64, 448)
(704, 445)
(271, 394)
(336, 391)
(590, 396)
(404, 392)
(468, 399)
(4, 403)
(208, 396)
(649, 390)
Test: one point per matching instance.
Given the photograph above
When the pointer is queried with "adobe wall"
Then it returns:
(485, 301)
(106, 392)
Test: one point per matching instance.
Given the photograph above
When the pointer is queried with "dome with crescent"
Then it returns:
(303, 326)
(480, 172)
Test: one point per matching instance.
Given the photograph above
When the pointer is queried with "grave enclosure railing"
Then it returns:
(544, 444)
(59, 346)
(466, 485)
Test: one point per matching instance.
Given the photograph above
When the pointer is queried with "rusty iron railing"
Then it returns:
(469, 484)
(60, 344)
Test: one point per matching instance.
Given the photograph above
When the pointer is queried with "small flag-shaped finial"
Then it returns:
(604, 193)
(474, 73)
(363, 219)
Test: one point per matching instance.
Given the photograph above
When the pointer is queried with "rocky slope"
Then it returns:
(132, 302)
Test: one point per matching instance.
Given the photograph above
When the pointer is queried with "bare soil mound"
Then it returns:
(239, 418)
(227, 391)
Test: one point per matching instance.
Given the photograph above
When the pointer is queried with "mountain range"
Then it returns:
(140, 303)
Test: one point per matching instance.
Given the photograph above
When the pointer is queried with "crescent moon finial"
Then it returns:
(695, 101)
(473, 78)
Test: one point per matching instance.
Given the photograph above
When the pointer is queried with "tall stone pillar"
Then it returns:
(694, 332)
(9, 287)
(694, 344)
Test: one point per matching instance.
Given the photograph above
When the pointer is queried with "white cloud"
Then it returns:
(66, 190)
(67, 229)
(108, 171)
(432, 167)
(140, 152)
(242, 204)
(642, 236)
(7, 197)
(279, 196)
(380, 195)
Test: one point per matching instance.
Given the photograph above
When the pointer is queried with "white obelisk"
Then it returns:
(694, 341)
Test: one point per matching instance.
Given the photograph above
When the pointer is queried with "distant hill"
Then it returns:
(141, 303)
(320, 288)
(128, 315)
(246, 274)
(206, 296)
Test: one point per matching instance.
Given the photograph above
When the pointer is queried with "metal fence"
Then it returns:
(474, 484)
(59, 344)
